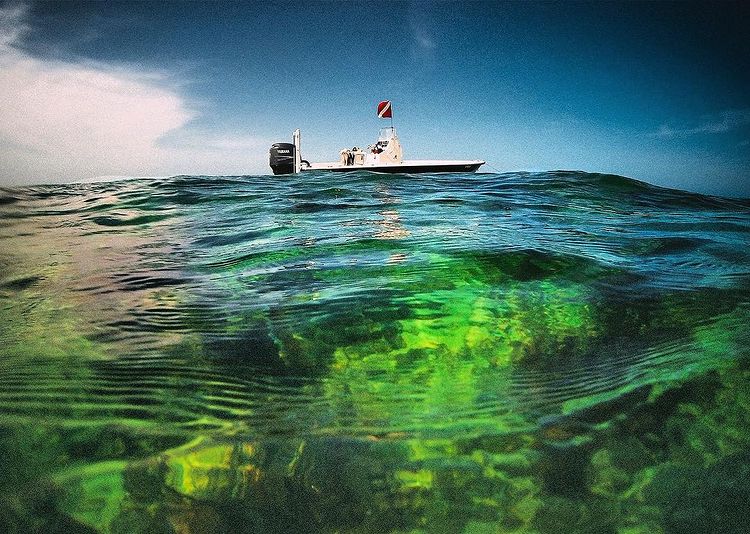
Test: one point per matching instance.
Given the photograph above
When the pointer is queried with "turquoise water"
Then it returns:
(362, 353)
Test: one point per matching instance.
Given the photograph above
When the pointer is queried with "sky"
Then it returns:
(659, 92)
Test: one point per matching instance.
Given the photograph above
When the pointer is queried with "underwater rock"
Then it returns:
(558, 514)
(728, 493)
(562, 431)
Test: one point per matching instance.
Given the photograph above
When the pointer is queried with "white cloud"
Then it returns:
(12, 25)
(423, 40)
(424, 45)
(72, 120)
(723, 122)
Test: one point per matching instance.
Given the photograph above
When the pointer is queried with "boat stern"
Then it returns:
(286, 158)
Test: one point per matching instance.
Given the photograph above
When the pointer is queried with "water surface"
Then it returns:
(522, 352)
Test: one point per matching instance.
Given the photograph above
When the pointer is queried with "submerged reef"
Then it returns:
(671, 464)
(648, 456)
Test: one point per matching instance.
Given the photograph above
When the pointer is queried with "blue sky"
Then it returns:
(658, 92)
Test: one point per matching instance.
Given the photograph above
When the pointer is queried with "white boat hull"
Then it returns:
(406, 166)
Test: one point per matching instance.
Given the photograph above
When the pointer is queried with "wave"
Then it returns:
(295, 277)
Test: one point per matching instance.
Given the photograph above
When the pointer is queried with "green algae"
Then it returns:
(510, 483)
(93, 495)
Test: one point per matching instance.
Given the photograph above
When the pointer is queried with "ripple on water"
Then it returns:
(217, 338)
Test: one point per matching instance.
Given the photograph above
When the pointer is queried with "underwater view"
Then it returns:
(491, 353)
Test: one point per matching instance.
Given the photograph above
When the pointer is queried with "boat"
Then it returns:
(383, 156)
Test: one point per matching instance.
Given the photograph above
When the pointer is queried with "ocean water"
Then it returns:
(530, 352)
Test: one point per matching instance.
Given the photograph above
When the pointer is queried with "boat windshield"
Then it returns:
(387, 133)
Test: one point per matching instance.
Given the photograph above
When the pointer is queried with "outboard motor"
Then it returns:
(282, 158)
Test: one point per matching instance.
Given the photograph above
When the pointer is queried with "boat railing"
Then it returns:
(387, 133)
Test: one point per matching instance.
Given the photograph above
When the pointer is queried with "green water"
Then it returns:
(551, 352)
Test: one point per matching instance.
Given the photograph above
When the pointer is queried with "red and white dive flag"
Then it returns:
(384, 110)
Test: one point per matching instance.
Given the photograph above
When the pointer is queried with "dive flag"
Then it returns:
(385, 110)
